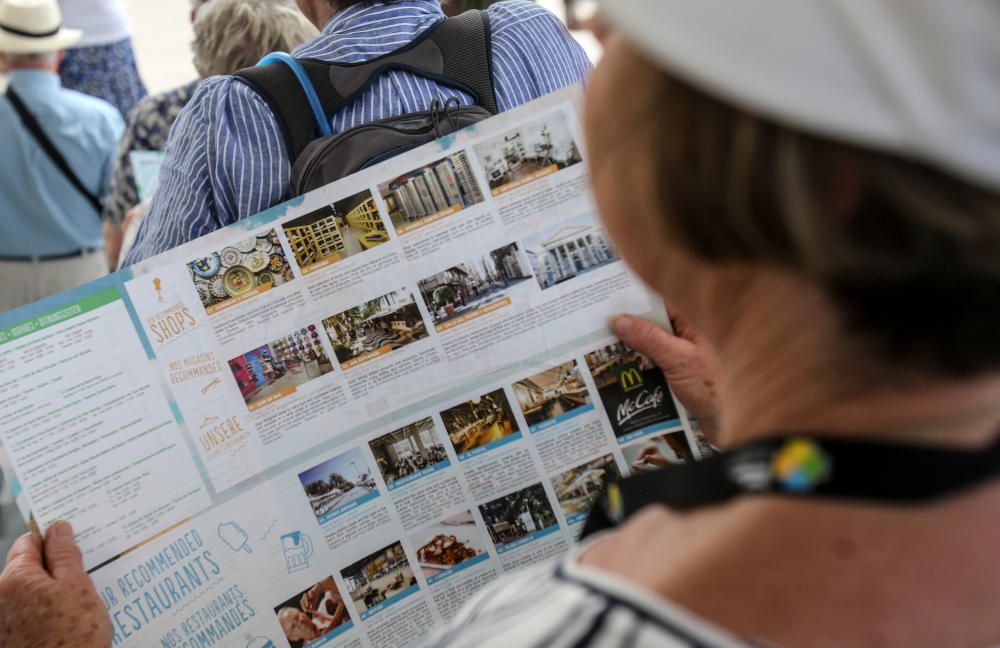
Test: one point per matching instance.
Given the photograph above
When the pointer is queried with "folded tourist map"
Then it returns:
(334, 422)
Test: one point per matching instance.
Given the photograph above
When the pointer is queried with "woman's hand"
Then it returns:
(686, 359)
(50, 604)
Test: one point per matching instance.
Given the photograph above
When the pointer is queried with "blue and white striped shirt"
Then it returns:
(226, 157)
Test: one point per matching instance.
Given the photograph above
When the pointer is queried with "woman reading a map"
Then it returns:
(815, 189)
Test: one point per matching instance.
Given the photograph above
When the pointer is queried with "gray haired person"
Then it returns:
(228, 35)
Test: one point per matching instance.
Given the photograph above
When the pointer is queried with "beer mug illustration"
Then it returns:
(297, 548)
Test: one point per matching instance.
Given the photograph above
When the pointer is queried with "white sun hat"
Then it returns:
(919, 78)
(33, 27)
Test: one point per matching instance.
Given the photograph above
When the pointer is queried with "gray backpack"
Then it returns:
(304, 94)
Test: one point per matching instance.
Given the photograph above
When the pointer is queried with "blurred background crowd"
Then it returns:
(143, 61)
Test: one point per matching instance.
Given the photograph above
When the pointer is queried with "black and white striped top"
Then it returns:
(567, 605)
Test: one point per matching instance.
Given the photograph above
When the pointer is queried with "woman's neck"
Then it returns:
(788, 368)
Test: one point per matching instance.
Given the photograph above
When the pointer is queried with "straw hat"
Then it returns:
(33, 27)
(920, 78)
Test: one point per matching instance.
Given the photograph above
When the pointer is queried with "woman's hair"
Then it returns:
(234, 34)
(910, 253)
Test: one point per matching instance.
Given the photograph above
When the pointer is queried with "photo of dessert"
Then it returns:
(449, 543)
(314, 615)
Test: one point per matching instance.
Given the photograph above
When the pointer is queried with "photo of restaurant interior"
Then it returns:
(537, 146)
(512, 517)
(569, 250)
(431, 189)
(469, 286)
(578, 488)
(335, 232)
(378, 577)
(390, 321)
(552, 393)
(408, 450)
(480, 421)
(289, 361)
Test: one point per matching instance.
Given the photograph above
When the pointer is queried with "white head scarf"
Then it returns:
(916, 77)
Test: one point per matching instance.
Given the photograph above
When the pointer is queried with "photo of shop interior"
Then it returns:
(551, 393)
(378, 577)
(578, 488)
(342, 229)
(467, 287)
(338, 481)
(479, 422)
(289, 361)
(569, 250)
(312, 614)
(431, 189)
(408, 450)
(392, 320)
(517, 515)
(529, 149)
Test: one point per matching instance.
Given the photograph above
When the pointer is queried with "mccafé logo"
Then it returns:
(630, 378)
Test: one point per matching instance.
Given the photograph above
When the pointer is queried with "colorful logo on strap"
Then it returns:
(800, 465)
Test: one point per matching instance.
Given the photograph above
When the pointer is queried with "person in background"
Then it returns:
(102, 64)
(226, 158)
(50, 221)
(228, 35)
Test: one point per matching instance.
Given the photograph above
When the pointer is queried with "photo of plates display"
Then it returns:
(230, 257)
(257, 261)
(208, 267)
(238, 280)
(238, 268)
(247, 245)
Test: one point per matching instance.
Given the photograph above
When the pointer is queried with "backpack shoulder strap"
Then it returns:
(456, 52)
(467, 50)
(284, 90)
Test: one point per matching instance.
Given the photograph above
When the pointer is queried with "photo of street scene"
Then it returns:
(250, 265)
(338, 483)
(435, 188)
(317, 613)
(518, 515)
(659, 451)
(634, 391)
(552, 395)
(379, 577)
(528, 152)
(449, 543)
(578, 488)
(382, 324)
(480, 422)
(470, 286)
(335, 232)
(408, 451)
(277, 368)
(567, 250)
